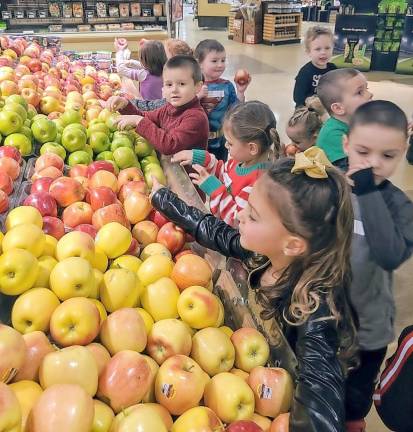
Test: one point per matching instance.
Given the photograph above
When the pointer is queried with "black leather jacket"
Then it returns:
(318, 404)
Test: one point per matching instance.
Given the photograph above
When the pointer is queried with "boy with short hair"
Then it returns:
(217, 94)
(341, 92)
(181, 124)
(382, 241)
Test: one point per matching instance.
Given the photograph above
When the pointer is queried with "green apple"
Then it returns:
(149, 160)
(142, 148)
(10, 122)
(59, 125)
(89, 151)
(27, 122)
(16, 107)
(18, 99)
(76, 126)
(99, 142)
(27, 131)
(79, 157)
(125, 157)
(104, 115)
(70, 116)
(119, 142)
(21, 142)
(38, 116)
(73, 139)
(98, 127)
(106, 155)
(155, 171)
(123, 134)
(31, 112)
(95, 121)
(44, 130)
(53, 147)
(111, 122)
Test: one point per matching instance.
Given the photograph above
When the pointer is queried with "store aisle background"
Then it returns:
(273, 69)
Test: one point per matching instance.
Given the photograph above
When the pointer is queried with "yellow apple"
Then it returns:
(155, 249)
(10, 411)
(100, 354)
(227, 330)
(198, 307)
(33, 309)
(129, 262)
(123, 329)
(1, 241)
(71, 365)
(160, 299)
(102, 311)
(229, 397)
(168, 338)
(120, 288)
(27, 393)
(76, 244)
(251, 348)
(24, 215)
(198, 419)
(98, 278)
(147, 319)
(114, 239)
(75, 322)
(18, 271)
(50, 246)
(213, 350)
(150, 395)
(180, 384)
(13, 351)
(154, 268)
(240, 373)
(263, 422)
(72, 277)
(28, 236)
(46, 265)
(102, 421)
(100, 260)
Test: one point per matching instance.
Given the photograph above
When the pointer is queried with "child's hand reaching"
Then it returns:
(128, 121)
(200, 176)
(183, 157)
(155, 187)
(241, 88)
(204, 92)
(359, 180)
(116, 103)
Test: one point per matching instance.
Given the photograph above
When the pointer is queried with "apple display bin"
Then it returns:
(230, 280)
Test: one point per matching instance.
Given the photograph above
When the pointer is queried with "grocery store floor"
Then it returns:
(273, 69)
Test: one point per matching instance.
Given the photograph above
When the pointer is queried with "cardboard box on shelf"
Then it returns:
(253, 32)
(238, 30)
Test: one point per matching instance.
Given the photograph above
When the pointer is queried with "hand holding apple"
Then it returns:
(116, 103)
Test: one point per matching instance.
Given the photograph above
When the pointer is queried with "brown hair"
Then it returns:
(178, 47)
(310, 120)
(184, 61)
(253, 121)
(314, 103)
(314, 32)
(152, 56)
(205, 47)
(320, 211)
(330, 89)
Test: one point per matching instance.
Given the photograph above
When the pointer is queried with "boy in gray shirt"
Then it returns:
(382, 241)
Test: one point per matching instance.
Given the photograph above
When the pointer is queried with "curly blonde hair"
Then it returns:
(314, 32)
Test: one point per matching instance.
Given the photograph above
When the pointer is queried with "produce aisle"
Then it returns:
(113, 319)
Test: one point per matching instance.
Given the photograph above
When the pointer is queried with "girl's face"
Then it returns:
(213, 65)
(260, 226)
(321, 50)
(238, 150)
(298, 137)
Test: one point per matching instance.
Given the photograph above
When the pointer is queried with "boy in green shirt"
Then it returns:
(341, 92)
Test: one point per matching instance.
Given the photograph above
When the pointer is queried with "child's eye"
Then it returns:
(182, 84)
(387, 156)
(361, 152)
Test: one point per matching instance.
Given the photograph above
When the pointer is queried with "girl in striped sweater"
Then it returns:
(252, 141)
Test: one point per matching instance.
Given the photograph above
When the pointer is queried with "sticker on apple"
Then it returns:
(264, 392)
(168, 391)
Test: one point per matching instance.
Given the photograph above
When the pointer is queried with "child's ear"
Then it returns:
(295, 246)
(337, 108)
(198, 86)
(346, 144)
(254, 148)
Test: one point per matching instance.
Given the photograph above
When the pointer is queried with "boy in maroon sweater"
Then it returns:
(181, 124)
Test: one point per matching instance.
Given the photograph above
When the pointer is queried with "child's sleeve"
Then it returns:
(209, 162)
(387, 222)
(233, 98)
(300, 88)
(136, 74)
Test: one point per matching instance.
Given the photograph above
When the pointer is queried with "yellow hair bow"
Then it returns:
(313, 162)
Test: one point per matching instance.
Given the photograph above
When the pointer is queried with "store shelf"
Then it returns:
(286, 25)
(110, 20)
(44, 21)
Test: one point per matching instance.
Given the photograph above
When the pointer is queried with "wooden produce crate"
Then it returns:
(231, 18)
(282, 28)
(230, 280)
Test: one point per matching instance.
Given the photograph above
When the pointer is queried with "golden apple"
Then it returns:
(27, 393)
(71, 365)
(198, 419)
(33, 309)
(76, 244)
(240, 373)
(24, 215)
(129, 262)
(102, 311)
(154, 268)
(160, 299)
(50, 246)
(98, 277)
(100, 260)
(120, 288)
(150, 395)
(263, 422)
(123, 329)
(46, 265)
(28, 236)
(75, 322)
(72, 277)
(12, 352)
(103, 418)
(10, 411)
(113, 239)
(142, 418)
(155, 249)
(100, 354)
(147, 319)
(227, 330)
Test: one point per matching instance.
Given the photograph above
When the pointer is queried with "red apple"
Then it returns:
(171, 236)
(4, 202)
(110, 213)
(44, 202)
(158, 218)
(41, 185)
(53, 226)
(77, 213)
(6, 183)
(66, 191)
(10, 151)
(101, 196)
(242, 77)
(49, 159)
(243, 426)
(133, 186)
(78, 170)
(10, 166)
(86, 228)
(100, 165)
(134, 248)
(35, 65)
(51, 172)
(129, 174)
